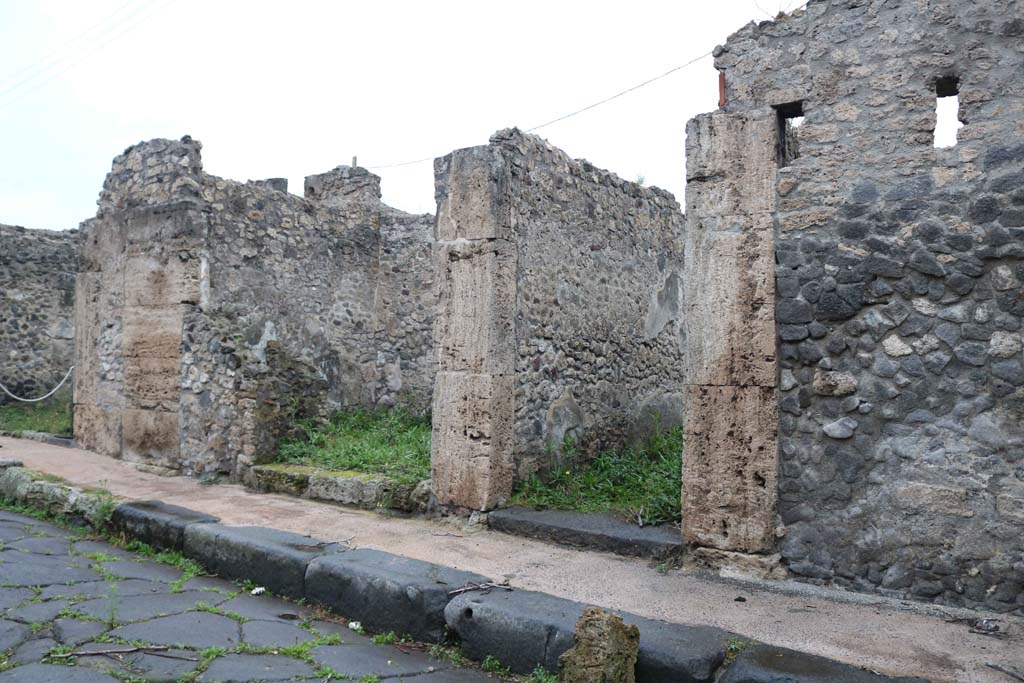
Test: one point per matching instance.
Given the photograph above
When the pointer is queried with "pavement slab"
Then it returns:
(145, 571)
(96, 589)
(266, 608)
(274, 634)
(12, 634)
(115, 608)
(191, 629)
(75, 631)
(12, 597)
(358, 660)
(35, 612)
(893, 636)
(54, 673)
(239, 668)
(158, 666)
(42, 545)
(25, 569)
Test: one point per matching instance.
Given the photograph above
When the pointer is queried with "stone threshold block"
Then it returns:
(387, 592)
(766, 664)
(346, 487)
(524, 629)
(592, 531)
(156, 523)
(272, 558)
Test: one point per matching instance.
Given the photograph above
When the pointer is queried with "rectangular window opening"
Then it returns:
(791, 117)
(947, 111)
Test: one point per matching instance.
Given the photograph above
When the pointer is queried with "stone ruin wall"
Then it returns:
(898, 298)
(560, 311)
(224, 311)
(37, 287)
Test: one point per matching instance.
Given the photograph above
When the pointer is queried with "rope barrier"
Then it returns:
(41, 398)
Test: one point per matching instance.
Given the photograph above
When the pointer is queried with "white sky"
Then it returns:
(294, 88)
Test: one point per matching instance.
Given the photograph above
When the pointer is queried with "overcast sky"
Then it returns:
(294, 88)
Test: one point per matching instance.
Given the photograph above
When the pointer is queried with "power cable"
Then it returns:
(46, 62)
(155, 9)
(575, 113)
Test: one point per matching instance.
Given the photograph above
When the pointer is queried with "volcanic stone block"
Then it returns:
(387, 592)
(475, 204)
(605, 650)
(729, 285)
(476, 290)
(275, 559)
(161, 280)
(597, 531)
(150, 437)
(731, 164)
(158, 524)
(730, 471)
(98, 429)
(523, 630)
(471, 443)
(766, 664)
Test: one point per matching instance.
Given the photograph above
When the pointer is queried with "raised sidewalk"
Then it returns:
(888, 636)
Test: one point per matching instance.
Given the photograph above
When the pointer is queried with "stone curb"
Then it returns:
(273, 558)
(157, 524)
(32, 488)
(390, 592)
(357, 489)
(522, 629)
(51, 439)
(766, 664)
(592, 531)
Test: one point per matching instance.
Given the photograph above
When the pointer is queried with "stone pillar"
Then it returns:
(731, 460)
(475, 279)
(345, 187)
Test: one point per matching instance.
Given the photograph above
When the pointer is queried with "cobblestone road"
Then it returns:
(122, 618)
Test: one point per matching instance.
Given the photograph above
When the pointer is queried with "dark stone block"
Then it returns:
(386, 592)
(792, 332)
(589, 530)
(881, 265)
(157, 524)
(925, 262)
(524, 629)
(54, 673)
(767, 664)
(277, 559)
(793, 311)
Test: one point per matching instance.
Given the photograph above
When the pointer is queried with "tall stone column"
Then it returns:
(730, 466)
(475, 271)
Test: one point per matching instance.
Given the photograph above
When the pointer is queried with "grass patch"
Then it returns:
(51, 417)
(394, 443)
(641, 484)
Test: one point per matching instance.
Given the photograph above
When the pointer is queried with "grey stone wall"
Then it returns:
(899, 300)
(560, 309)
(220, 312)
(37, 276)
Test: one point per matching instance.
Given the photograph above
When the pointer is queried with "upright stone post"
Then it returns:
(475, 278)
(731, 461)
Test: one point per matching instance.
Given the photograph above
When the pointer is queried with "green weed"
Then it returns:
(51, 417)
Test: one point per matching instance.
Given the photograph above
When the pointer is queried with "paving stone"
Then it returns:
(277, 559)
(386, 592)
(91, 589)
(266, 608)
(25, 569)
(245, 668)
(12, 597)
(11, 532)
(42, 545)
(32, 650)
(136, 607)
(76, 631)
(332, 628)
(766, 664)
(191, 629)
(165, 666)
(54, 673)
(589, 530)
(523, 629)
(37, 611)
(210, 583)
(12, 634)
(453, 676)
(147, 571)
(274, 634)
(356, 661)
(90, 547)
(158, 524)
